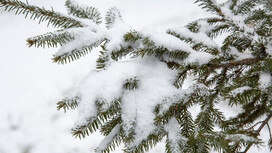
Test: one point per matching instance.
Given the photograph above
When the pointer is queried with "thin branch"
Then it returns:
(269, 130)
(259, 130)
(255, 125)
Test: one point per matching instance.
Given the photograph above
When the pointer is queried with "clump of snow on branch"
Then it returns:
(240, 90)
(265, 80)
(108, 139)
(176, 140)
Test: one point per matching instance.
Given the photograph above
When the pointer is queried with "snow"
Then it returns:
(238, 20)
(83, 37)
(240, 90)
(167, 41)
(265, 80)
(240, 56)
(173, 43)
(199, 37)
(199, 57)
(176, 139)
(116, 35)
(107, 140)
(155, 83)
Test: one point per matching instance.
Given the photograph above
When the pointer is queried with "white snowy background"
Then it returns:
(30, 84)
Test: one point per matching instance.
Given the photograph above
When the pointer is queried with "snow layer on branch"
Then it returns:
(199, 57)
(155, 83)
(174, 135)
(241, 137)
(237, 19)
(83, 37)
(265, 80)
(116, 35)
(198, 37)
(168, 41)
(240, 56)
(269, 47)
(113, 16)
(173, 43)
(108, 139)
(240, 90)
(106, 84)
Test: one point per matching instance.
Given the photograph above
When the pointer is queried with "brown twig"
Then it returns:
(259, 130)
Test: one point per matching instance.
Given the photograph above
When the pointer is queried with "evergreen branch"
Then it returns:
(110, 124)
(36, 13)
(179, 109)
(94, 123)
(111, 141)
(172, 65)
(258, 131)
(233, 3)
(180, 79)
(218, 141)
(214, 81)
(75, 53)
(242, 98)
(251, 112)
(149, 48)
(246, 6)
(92, 126)
(85, 12)
(198, 143)
(121, 53)
(196, 45)
(257, 15)
(72, 55)
(223, 141)
(51, 39)
(204, 120)
(161, 52)
(248, 61)
(268, 4)
(132, 36)
(101, 62)
(68, 103)
(215, 20)
(210, 5)
(219, 29)
(112, 17)
(151, 140)
(131, 84)
(193, 26)
(174, 147)
(168, 148)
(240, 42)
(186, 121)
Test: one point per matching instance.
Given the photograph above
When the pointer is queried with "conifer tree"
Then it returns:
(136, 96)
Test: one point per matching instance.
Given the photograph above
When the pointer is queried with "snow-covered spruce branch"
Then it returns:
(41, 14)
(137, 95)
(51, 39)
(82, 11)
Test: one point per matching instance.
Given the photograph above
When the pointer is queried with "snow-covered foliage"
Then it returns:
(136, 96)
